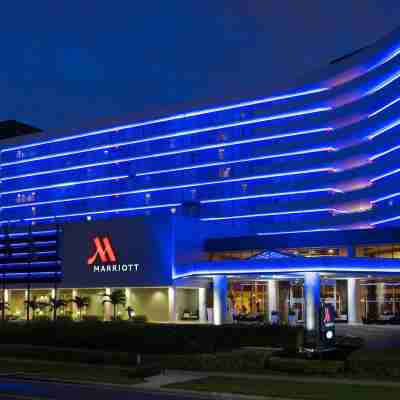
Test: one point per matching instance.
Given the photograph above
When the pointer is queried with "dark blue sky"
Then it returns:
(66, 63)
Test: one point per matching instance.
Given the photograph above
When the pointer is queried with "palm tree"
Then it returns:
(116, 298)
(3, 307)
(55, 304)
(81, 303)
(35, 305)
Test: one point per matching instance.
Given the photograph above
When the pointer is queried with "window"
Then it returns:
(225, 172)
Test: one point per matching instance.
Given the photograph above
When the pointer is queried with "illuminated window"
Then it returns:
(222, 136)
(225, 172)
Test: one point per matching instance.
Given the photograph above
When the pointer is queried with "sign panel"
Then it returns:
(136, 251)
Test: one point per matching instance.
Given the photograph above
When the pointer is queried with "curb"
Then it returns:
(192, 393)
(219, 395)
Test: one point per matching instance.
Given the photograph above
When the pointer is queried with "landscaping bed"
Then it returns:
(39, 369)
(375, 362)
(149, 338)
(286, 389)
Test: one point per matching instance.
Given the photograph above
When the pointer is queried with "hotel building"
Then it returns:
(242, 208)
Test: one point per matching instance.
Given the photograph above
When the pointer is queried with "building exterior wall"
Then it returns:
(320, 157)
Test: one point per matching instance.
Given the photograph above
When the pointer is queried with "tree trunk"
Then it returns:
(28, 301)
(3, 310)
(55, 304)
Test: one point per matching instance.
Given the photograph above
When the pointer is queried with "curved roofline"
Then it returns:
(290, 265)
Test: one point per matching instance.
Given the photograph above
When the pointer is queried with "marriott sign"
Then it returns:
(104, 252)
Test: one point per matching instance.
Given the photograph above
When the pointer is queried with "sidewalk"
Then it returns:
(177, 376)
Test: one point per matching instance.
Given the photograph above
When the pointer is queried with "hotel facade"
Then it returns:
(234, 211)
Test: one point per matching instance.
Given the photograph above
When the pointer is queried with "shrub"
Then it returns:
(42, 318)
(91, 318)
(304, 366)
(375, 362)
(148, 338)
(64, 318)
(139, 318)
(233, 361)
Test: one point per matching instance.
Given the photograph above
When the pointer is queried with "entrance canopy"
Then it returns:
(291, 265)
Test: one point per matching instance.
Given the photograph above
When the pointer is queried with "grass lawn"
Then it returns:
(68, 371)
(287, 389)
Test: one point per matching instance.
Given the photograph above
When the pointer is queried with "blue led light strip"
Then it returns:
(384, 221)
(387, 197)
(162, 188)
(114, 211)
(30, 274)
(385, 83)
(33, 233)
(299, 231)
(384, 108)
(172, 118)
(242, 160)
(384, 129)
(385, 175)
(169, 153)
(65, 184)
(174, 135)
(9, 221)
(390, 57)
(265, 270)
(270, 214)
(384, 153)
(259, 196)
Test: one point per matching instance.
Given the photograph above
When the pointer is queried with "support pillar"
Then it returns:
(172, 304)
(220, 295)
(352, 301)
(273, 297)
(203, 305)
(351, 251)
(380, 297)
(107, 306)
(74, 307)
(7, 302)
(312, 301)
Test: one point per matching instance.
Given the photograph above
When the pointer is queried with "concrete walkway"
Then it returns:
(170, 376)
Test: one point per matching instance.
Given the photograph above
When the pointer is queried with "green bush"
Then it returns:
(42, 318)
(233, 361)
(91, 318)
(375, 362)
(139, 318)
(148, 338)
(64, 318)
(304, 366)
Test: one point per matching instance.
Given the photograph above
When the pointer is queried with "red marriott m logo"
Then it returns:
(104, 251)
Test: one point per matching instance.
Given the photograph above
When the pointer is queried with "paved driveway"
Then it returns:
(375, 336)
(18, 389)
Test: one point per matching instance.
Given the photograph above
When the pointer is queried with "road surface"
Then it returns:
(21, 389)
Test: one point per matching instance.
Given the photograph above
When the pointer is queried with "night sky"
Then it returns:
(67, 63)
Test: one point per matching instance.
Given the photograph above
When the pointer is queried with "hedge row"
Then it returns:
(375, 362)
(149, 338)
